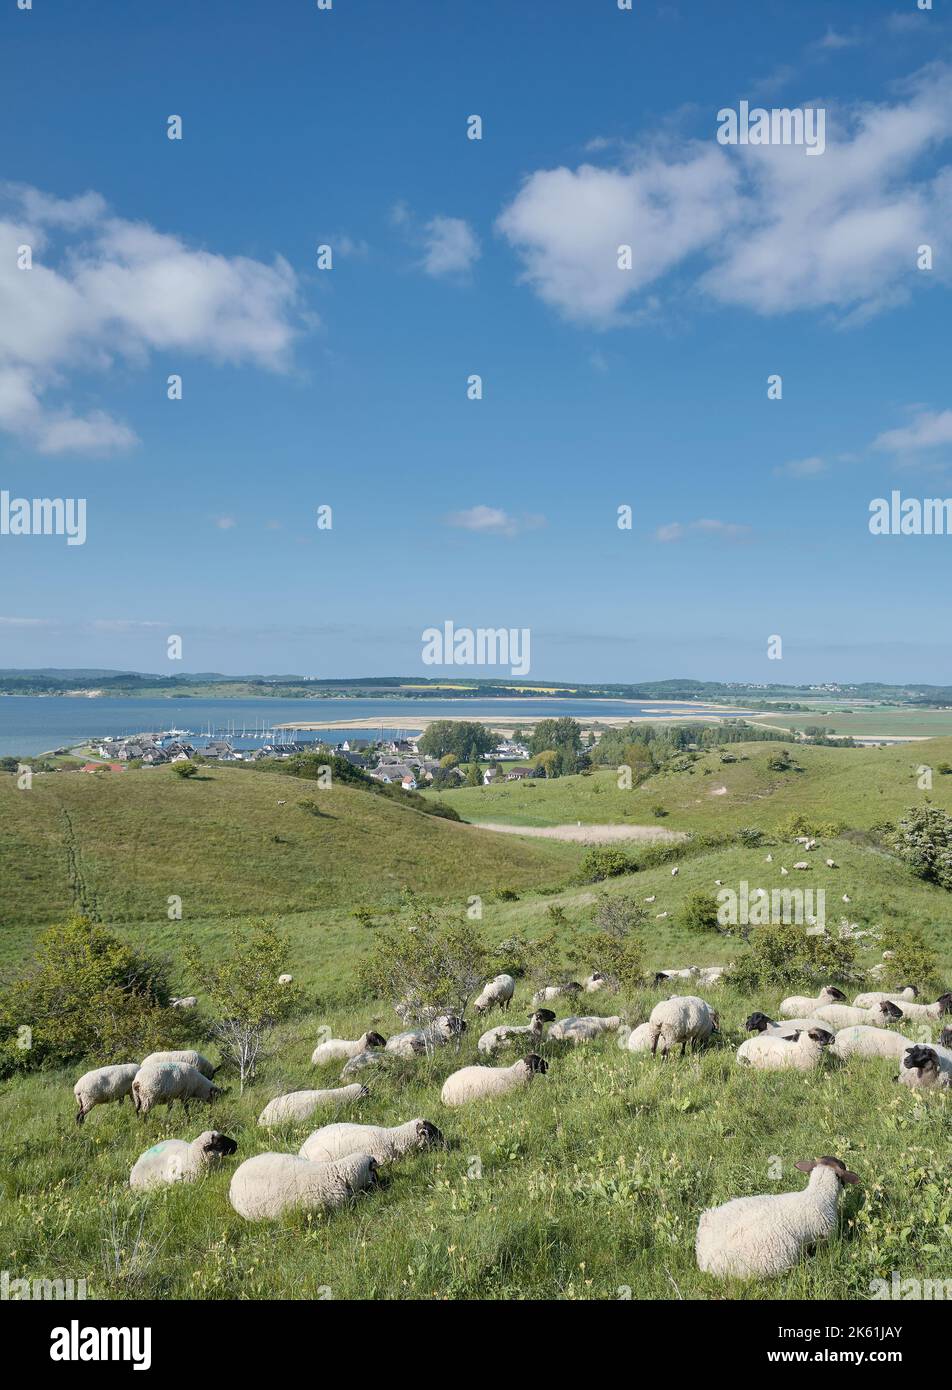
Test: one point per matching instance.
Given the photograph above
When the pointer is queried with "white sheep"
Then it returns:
(595, 982)
(802, 1004)
(415, 1041)
(377, 1057)
(843, 1016)
(506, 1034)
(188, 1058)
(542, 996)
(175, 1160)
(926, 1066)
(943, 1005)
(675, 871)
(161, 1083)
(496, 994)
(385, 1144)
(300, 1105)
(184, 1001)
(711, 974)
(480, 1083)
(681, 1019)
(757, 1237)
(760, 1023)
(341, 1049)
(801, 864)
(801, 1051)
(270, 1184)
(103, 1085)
(577, 1030)
(285, 979)
(863, 1041)
(902, 996)
(639, 1039)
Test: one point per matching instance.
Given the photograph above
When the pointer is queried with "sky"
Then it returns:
(603, 387)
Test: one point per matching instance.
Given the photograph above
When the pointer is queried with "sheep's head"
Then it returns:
(374, 1040)
(535, 1063)
(821, 1036)
(542, 1016)
(923, 1060)
(889, 1010)
(215, 1145)
(660, 977)
(757, 1023)
(911, 989)
(946, 1002)
(945, 1037)
(715, 1021)
(428, 1136)
(831, 992)
(573, 987)
(597, 975)
(806, 1165)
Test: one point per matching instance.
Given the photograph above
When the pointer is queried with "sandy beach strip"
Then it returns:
(506, 723)
(587, 834)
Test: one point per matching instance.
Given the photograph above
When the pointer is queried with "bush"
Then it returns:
(699, 913)
(923, 839)
(913, 962)
(750, 837)
(785, 955)
(782, 762)
(616, 948)
(604, 861)
(185, 770)
(431, 961)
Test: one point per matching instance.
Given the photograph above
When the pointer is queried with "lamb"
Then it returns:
(300, 1105)
(188, 1058)
(842, 1016)
(757, 1237)
(385, 1145)
(161, 1083)
(340, 1049)
(639, 1039)
(926, 1067)
(862, 1041)
(103, 1085)
(866, 1001)
(684, 1018)
(760, 1023)
(497, 1038)
(802, 1004)
(943, 1005)
(270, 1184)
(542, 996)
(175, 1160)
(496, 993)
(577, 1030)
(774, 1052)
(479, 1083)
(419, 1040)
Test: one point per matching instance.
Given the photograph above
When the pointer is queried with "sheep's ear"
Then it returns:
(847, 1176)
(806, 1165)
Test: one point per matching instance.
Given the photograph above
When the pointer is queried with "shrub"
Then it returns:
(750, 837)
(658, 812)
(699, 913)
(431, 961)
(923, 839)
(185, 770)
(785, 955)
(616, 947)
(913, 960)
(605, 861)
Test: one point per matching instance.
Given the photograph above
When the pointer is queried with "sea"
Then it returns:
(31, 724)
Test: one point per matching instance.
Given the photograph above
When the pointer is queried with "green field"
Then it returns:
(890, 721)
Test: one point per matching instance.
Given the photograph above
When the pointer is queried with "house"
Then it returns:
(131, 750)
(409, 783)
(491, 774)
(98, 767)
(356, 745)
(392, 773)
(152, 757)
(218, 748)
(517, 773)
(355, 759)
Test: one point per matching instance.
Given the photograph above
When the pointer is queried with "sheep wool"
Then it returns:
(340, 1049)
(542, 996)
(843, 1016)
(926, 1067)
(943, 1005)
(496, 994)
(300, 1105)
(583, 1029)
(757, 1237)
(103, 1085)
(760, 1023)
(188, 1057)
(507, 1034)
(161, 1083)
(866, 1001)
(384, 1144)
(863, 1041)
(639, 1039)
(416, 1041)
(804, 1005)
(175, 1160)
(684, 1018)
(773, 1052)
(480, 1083)
(270, 1184)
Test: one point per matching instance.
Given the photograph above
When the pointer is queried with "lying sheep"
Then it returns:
(542, 996)
(943, 1005)
(187, 1056)
(802, 1051)
(496, 994)
(583, 1029)
(270, 1184)
(479, 1083)
(385, 1144)
(842, 1016)
(682, 1019)
(175, 1160)
(757, 1237)
(285, 979)
(184, 1001)
(760, 1023)
(161, 1083)
(803, 1005)
(597, 981)
(506, 1034)
(863, 1041)
(711, 974)
(926, 1067)
(300, 1105)
(103, 1085)
(340, 1049)
(378, 1057)
(415, 1041)
(866, 1001)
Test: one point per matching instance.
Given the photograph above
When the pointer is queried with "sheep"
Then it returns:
(842, 1016)
(300, 1105)
(945, 1037)
(375, 1058)
(187, 1057)
(943, 1005)
(340, 1049)
(478, 1083)
(638, 1040)
(497, 1038)
(926, 1067)
(285, 979)
(774, 1052)
(801, 864)
(419, 1040)
(689, 972)
(802, 1004)
(542, 996)
(270, 1184)
(103, 1085)
(681, 1019)
(385, 1145)
(175, 1160)
(185, 1001)
(760, 1023)
(595, 982)
(577, 1030)
(832, 864)
(675, 871)
(866, 1001)
(496, 993)
(711, 974)
(863, 1041)
(764, 1235)
(161, 1083)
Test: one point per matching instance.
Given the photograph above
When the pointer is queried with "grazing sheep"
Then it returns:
(943, 1005)
(774, 1052)
(270, 1184)
(542, 996)
(675, 871)
(386, 1145)
(175, 1160)
(832, 864)
(340, 1049)
(802, 1004)
(863, 1041)
(684, 1018)
(161, 1083)
(651, 898)
(496, 993)
(756, 1237)
(479, 1083)
(801, 864)
(300, 1105)
(842, 1016)
(188, 1058)
(583, 1029)
(760, 1023)
(926, 1067)
(103, 1085)
(415, 1041)
(866, 1001)
(497, 1038)
(639, 1039)
(185, 1001)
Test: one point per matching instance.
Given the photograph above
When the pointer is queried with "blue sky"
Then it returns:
(347, 387)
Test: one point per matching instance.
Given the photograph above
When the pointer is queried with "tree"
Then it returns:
(548, 760)
(782, 762)
(184, 770)
(923, 838)
(474, 778)
(460, 736)
(434, 961)
(556, 733)
(616, 948)
(449, 760)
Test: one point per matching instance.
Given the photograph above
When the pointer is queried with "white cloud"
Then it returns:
(931, 429)
(492, 521)
(103, 288)
(451, 246)
(224, 523)
(802, 468)
(723, 530)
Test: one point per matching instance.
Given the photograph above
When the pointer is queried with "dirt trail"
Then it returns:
(588, 834)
